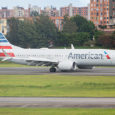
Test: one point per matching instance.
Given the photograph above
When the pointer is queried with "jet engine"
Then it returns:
(67, 66)
(85, 67)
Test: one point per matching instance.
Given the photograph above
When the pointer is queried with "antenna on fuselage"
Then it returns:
(72, 47)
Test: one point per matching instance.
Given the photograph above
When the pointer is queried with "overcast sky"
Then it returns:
(42, 3)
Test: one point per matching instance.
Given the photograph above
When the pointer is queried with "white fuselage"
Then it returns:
(90, 57)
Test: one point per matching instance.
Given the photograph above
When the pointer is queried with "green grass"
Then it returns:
(59, 111)
(8, 64)
(57, 86)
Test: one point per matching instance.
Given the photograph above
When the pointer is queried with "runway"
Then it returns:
(57, 102)
(51, 102)
(98, 71)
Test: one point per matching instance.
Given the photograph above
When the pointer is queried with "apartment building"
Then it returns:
(68, 11)
(16, 12)
(102, 12)
(3, 26)
(83, 11)
(112, 18)
(21, 12)
(58, 21)
(50, 11)
(34, 9)
(73, 11)
(6, 13)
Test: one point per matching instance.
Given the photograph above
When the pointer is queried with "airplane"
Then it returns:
(57, 59)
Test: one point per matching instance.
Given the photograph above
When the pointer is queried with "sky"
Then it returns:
(42, 3)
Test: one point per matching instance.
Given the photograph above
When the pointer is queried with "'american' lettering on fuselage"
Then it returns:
(85, 56)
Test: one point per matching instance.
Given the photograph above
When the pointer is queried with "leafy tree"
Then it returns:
(77, 30)
(78, 39)
(46, 29)
(113, 39)
(37, 33)
(106, 40)
(27, 34)
(84, 25)
(41, 32)
(69, 26)
(21, 32)
(114, 33)
(13, 30)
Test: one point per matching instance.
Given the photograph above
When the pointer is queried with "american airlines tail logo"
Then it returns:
(107, 55)
(4, 44)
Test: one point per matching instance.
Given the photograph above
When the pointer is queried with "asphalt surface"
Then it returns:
(98, 71)
(57, 102)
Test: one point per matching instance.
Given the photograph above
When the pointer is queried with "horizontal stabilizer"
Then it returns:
(7, 57)
(5, 53)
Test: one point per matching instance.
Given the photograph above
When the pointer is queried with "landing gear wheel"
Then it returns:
(52, 69)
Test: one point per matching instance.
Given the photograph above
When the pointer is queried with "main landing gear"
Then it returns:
(53, 69)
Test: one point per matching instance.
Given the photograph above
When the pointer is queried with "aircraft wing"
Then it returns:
(31, 60)
(41, 61)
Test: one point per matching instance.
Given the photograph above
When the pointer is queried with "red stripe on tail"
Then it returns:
(10, 54)
(5, 47)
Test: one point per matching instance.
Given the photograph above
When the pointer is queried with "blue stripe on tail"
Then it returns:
(3, 40)
(1, 36)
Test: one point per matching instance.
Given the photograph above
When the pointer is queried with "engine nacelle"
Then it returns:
(85, 67)
(67, 66)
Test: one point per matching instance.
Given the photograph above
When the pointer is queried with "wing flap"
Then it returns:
(41, 61)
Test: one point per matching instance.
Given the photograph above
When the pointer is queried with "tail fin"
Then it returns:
(4, 43)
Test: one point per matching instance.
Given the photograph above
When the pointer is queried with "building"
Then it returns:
(112, 18)
(88, 11)
(54, 12)
(35, 9)
(21, 12)
(50, 11)
(83, 11)
(6, 13)
(16, 12)
(102, 12)
(58, 21)
(68, 11)
(73, 11)
(3, 26)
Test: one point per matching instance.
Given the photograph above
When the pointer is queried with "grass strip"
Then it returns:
(58, 111)
(57, 86)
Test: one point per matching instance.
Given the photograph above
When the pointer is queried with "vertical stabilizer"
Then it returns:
(4, 44)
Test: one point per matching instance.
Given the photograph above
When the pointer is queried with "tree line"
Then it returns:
(42, 32)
